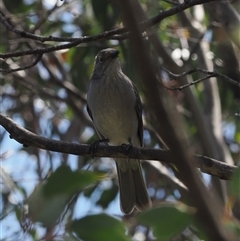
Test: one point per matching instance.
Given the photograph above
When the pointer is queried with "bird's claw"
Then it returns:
(94, 146)
(126, 147)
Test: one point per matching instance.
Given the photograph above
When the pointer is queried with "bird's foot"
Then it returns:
(94, 146)
(126, 147)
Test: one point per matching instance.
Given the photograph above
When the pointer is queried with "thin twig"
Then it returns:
(24, 67)
(210, 74)
(191, 83)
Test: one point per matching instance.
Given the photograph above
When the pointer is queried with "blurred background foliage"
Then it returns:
(50, 100)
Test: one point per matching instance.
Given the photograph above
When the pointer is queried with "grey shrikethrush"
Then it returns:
(114, 105)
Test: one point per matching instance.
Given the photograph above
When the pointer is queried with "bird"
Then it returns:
(114, 105)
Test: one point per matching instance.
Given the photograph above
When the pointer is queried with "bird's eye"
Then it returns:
(100, 59)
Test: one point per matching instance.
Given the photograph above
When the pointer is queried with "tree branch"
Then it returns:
(209, 74)
(86, 39)
(27, 138)
(38, 58)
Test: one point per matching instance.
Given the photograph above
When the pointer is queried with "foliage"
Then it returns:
(74, 197)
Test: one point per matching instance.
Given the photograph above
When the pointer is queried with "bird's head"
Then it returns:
(106, 62)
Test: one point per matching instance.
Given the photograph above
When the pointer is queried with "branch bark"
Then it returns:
(27, 138)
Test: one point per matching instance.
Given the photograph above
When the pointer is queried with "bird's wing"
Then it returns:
(138, 108)
(89, 112)
(98, 132)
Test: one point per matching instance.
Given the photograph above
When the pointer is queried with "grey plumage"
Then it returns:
(114, 105)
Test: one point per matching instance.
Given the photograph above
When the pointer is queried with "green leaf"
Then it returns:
(167, 220)
(235, 183)
(107, 196)
(64, 180)
(237, 137)
(46, 210)
(99, 227)
(89, 191)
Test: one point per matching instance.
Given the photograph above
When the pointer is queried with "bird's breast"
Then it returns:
(113, 110)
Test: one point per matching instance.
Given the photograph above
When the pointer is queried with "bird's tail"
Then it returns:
(133, 190)
(143, 200)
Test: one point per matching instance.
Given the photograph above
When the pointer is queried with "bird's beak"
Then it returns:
(114, 53)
